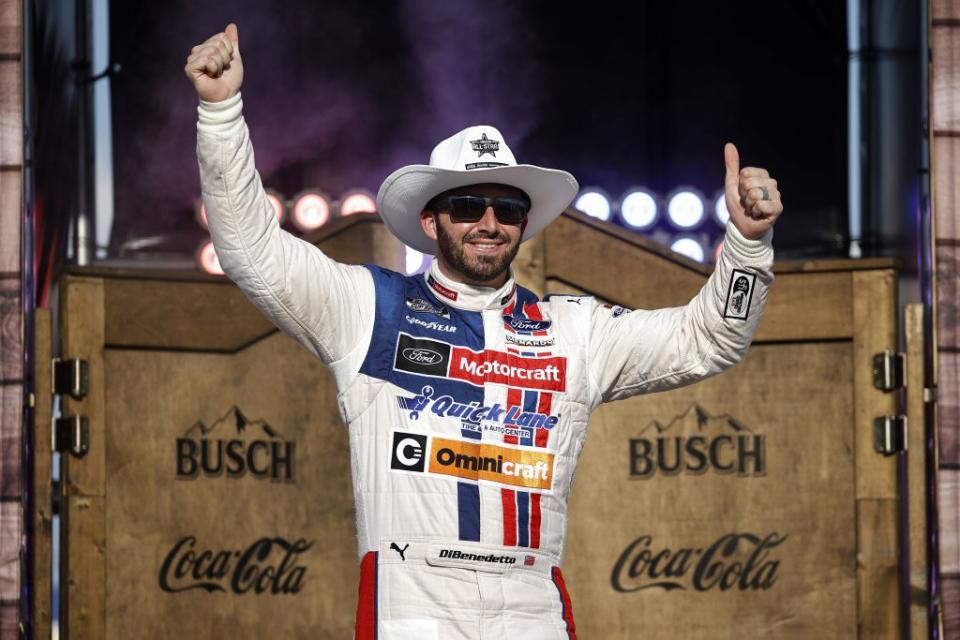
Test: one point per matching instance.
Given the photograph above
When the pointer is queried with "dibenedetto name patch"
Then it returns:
(432, 455)
(740, 294)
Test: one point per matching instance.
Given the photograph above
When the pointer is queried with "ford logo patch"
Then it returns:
(419, 355)
(524, 325)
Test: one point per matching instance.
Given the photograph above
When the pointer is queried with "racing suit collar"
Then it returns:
(465, 296)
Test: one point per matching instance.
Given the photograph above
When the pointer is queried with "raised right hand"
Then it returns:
(215, 67)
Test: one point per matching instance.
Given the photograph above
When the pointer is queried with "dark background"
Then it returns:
(338, 95)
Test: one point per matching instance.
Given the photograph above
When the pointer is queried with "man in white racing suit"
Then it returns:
(465, 396)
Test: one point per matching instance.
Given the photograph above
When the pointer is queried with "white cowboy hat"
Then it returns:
(473, 156)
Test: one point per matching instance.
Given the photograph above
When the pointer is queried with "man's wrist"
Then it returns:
(222, 117)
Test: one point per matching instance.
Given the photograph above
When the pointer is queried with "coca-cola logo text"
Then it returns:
(269, 565)
(736, 561)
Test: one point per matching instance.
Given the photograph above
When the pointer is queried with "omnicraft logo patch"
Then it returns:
(420, 453)
(441, 360)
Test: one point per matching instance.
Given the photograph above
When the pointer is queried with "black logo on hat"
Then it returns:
(485, 145)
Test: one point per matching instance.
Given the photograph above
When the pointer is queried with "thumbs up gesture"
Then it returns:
(215, 67)
(752, 197)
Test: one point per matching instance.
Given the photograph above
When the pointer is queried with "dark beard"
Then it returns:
(481, 268)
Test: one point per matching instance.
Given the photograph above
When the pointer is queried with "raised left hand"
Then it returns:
(752, 197)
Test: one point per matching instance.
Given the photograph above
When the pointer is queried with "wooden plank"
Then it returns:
(180, 315)
(875, 329)
(42, 569)
(10, 219)
(949, 596)
(946, 174)
(11, 347)
(945, 79)
(10, 532)
(528, 267)
(948, 393)
(11, 409)
(948, 487)
(82, 570)
(944, 10)
(917, 465)
(878, 568)
(11, 113)
(11, 24)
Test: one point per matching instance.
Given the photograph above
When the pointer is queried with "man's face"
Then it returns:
(480, 252)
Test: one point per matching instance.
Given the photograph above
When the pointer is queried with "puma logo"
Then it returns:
(393, 545)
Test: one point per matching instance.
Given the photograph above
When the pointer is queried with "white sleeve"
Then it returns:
(644, 351)
(326, 306)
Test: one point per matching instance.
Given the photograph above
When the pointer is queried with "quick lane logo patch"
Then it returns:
(502, 465)
(740, 294)
(441, 360)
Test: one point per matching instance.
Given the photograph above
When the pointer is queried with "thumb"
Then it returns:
(732, 159)
(234, 35)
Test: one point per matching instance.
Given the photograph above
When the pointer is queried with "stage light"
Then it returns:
(207, 259)
(593, 202)
(638, 209)
(685, 208)
(720, 213)
(689, 247)
(311, 210)
(276, 201)
(357, 201)
(414, 261)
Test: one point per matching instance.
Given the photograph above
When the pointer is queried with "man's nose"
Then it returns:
(489, 220)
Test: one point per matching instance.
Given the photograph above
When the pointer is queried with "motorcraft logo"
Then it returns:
(740, 294)
(734, 562)
(268, 566)
(442, 360)
(484, 145)
(495, 417)
(696, 442)
(433, 325)
(419, 305)
(472, 460)
(235, 447)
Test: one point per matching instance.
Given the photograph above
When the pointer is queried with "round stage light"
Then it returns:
(685, 208)
(311, 210)
(279, 206)
(689, 247)
(638, 209)
(720, 213)
(594, 202)
(207, 259)
(357, 201)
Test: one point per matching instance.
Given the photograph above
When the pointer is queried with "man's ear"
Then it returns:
(428, 222)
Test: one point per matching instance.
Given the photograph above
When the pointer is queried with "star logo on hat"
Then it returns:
(485, 145)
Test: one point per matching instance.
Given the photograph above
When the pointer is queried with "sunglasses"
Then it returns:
(471, 208)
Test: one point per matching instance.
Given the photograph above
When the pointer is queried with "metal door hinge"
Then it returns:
(888, 370)
(72, 434)
(890, 434)
(71, 377)
(929, 394)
